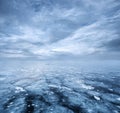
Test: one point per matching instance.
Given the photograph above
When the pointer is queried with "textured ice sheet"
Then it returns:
(58, 89)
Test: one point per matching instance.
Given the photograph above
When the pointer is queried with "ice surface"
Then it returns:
(51, 88)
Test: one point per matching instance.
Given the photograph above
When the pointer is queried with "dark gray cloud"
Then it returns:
(113, 45)
(59, 28)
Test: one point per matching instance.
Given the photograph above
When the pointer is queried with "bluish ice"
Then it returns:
(59, 87)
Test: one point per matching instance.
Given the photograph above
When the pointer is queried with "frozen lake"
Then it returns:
(59, 87)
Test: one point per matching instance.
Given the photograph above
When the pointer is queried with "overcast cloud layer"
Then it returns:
(59, 28)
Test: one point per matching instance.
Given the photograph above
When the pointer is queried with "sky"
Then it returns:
(60, 29)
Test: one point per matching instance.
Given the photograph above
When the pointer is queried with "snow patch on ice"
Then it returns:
(19, 89)
(118, 98)
(96, 97)
(86, 86)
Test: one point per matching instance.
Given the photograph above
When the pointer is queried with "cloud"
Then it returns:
(113, 45)
(55, 28)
